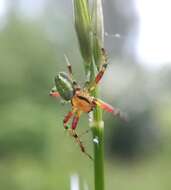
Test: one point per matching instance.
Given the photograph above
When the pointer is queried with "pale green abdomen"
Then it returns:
(64, 86)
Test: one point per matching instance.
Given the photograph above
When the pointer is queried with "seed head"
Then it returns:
(83, 28)
(98, 31)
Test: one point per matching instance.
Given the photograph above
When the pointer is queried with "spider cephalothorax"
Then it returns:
(81, 100)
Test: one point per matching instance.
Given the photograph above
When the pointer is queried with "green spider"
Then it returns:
(80, 98)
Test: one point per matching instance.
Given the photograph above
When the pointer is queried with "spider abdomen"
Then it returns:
(64, 86)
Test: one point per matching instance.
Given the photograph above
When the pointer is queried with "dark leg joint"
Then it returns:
(75, 136)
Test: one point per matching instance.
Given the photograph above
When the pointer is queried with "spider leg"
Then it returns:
(75, 120)
(54, 92)
(85, 132)
(75, 85)
(69, 66)
(67, 118)
(105, 106)
(73, 133)
(99, 75)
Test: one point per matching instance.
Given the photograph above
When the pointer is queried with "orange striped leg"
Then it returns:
(77, 139)
(54, 94)
(75, 85)
(101, 71)
(74, 134)
(69, 66)
(67, 118)
(75, 120)
(109, 108)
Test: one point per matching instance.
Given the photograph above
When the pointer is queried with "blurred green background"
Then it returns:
(36, 153)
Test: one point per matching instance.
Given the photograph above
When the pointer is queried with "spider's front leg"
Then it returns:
(99, 75)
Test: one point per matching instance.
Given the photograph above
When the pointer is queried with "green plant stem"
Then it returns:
(98, 134)
(98, 139)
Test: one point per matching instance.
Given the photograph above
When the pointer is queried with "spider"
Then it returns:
(81, 100)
